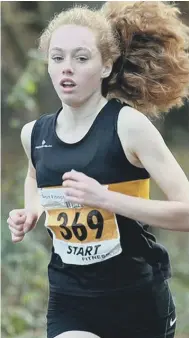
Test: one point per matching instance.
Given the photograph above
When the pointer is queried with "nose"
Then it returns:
(67, 67)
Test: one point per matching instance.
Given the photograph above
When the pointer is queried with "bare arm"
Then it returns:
(168, 215)
(21, 221)
(31, 196)
(148, 146)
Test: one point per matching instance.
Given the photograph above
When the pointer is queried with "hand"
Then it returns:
(83, 189)
(20, 222)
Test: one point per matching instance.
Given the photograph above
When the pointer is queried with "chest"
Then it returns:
(100, 157)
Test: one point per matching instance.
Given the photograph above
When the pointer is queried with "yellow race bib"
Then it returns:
(81, 235)
(85, 235)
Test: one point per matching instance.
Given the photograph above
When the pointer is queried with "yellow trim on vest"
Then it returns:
(138, 188)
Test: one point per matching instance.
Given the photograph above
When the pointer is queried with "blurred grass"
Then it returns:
(177, 244)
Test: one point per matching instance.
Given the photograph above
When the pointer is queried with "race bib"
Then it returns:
(81, 235)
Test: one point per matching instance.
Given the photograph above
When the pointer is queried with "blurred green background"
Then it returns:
(26, 94)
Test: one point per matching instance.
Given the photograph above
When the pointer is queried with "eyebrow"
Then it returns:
(74, 50)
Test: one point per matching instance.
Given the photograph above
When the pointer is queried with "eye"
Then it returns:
(82, 58)
(57, 58)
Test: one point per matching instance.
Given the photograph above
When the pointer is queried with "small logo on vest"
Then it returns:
(172, 322)
(43, 145)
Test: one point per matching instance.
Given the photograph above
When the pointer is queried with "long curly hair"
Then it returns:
(153, 69)
(148, 45)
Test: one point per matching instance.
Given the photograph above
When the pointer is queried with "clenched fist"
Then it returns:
(20, 222)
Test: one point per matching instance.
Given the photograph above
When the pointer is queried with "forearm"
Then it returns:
(31, 197)
(162, 214)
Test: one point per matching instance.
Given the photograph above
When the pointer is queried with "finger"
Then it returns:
(16, 232)
(13, 224)
(30, 222)
(16, 239)
(73, 192)
(74, 175)
(18, 212)
(70, 184)
(74, 184)
(18, 219)
(76, 200)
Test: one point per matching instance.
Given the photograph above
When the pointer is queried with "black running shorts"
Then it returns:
(148, 312)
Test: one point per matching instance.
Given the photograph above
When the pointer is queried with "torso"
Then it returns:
(70, 137)
(106, 154)
(67, 135)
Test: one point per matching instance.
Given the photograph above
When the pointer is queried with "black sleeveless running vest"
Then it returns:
(138, 259)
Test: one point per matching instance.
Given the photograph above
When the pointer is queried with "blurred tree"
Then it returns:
(26, 94)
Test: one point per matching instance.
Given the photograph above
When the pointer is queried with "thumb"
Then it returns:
(30, 221)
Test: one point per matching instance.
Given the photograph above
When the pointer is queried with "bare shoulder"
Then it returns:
(144, 146)
(134, 122)
(132, 127)
(137, 130)
(26, 137)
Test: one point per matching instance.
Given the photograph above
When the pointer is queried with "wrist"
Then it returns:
(35, 212)
(107, 200)
(32, 210)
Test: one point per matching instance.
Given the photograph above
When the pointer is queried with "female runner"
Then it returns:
(90, 164)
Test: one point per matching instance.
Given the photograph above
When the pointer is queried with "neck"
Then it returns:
(84, 112)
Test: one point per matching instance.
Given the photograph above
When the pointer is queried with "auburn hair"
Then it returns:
(148, 45)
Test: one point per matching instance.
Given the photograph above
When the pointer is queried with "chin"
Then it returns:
(72, 101)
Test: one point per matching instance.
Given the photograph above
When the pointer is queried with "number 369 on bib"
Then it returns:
(83, 225)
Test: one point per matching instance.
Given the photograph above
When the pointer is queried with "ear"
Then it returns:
(106, 70)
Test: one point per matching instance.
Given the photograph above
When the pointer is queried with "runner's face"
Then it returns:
(74, 56)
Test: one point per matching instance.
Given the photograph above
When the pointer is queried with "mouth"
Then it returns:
(67, 83)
